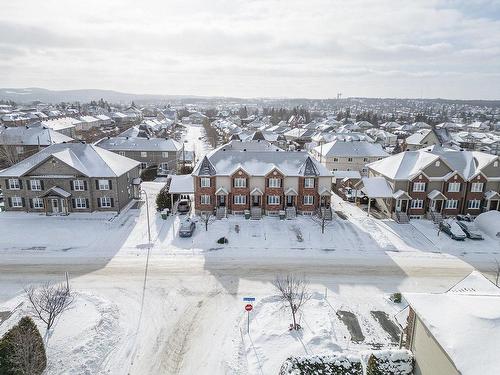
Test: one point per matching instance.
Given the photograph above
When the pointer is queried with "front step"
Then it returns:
(290, 213)
(221, 212)
(326, 213)
(255, 213)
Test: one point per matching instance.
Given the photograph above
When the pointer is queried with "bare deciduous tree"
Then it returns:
(321, 221)
(49, 301)
(8, 155)
(293, 292)
(206, 217)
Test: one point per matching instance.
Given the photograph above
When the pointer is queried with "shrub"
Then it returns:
(396, 297)
(22, 351)
(335, 364)
(150, 173)
(222, 240)
(163, 200)
(389, 362)
(186, 169)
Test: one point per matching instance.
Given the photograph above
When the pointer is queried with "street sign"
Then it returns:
(248, 307)
(248, 299)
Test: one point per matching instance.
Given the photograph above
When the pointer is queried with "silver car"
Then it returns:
(187, 228)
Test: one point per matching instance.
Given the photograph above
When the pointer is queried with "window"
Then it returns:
(144, 165)
(35, 185)
(19, 149)
(273, 199)
(37, 203)
(335, 159)
(164, 154)
(417, 203)
(80, 203)
(274, 182)
(240, 199)
(240, 182)
(309, 182)
(106, 202)
(204, 199)
(122, 153)
(308, 200)
(454, 187)
(419, 186)
(349, 160)
(474, 204)
(16, 202)
(495, 163)
(144, 154)
(205, 182)
(451, 204)
(14, 184)
(104, 185)
(365, 159)
(476, 187)
(438, 163)
(78, 185)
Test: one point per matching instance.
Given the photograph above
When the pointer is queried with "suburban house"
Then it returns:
(71, 177)
(17, 143)
(421, 138)
(435, 182)
(259, 177)
(346, 155)
(161, 152)
(63, 125)
(457, 332)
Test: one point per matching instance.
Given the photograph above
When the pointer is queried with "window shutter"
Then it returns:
(97, 184)
(7, 184)
(31, 203)
(20, 184)
(87, 203)
(41, 184)
(28, 184)
(73, 202)
(98, 202)
(10, 202)
(85, 185)
(72, 186)
(110, 185)
(23, 201)
(112, 202)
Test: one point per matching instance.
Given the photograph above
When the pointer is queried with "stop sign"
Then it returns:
(248, 307)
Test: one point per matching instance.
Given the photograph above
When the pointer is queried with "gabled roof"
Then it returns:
(31, 136)
(90, 160)
(205, 168)
(340, 148)
(139, 144)
(309, 168)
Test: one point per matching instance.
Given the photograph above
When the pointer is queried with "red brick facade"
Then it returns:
(303, 191)
(274, 191)
(204, 191)
(422, 195)
(245, 191)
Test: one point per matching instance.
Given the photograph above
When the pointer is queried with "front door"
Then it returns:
(438, 205)
(289, 200)
(403, 205)
(255, 200)
(222, 200)
(55, 205)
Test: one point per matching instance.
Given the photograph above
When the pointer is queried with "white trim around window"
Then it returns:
(35, 185)
(474, 204)
(308, 200)
(204, 199)
(205, 181)
(417, 204)
(274, 182)
(78, 185)
(476, 187)
(80, 203)
(273, 200)
(451, 204)
(419, 186)
(16, 202)
(14, 184)
(106, 202)
(240, 199)
(103, 185)
(240, 182)
(37, 203)
(308, 182)
(454, 187)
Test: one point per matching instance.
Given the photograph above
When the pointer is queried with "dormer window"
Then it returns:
(438, 163)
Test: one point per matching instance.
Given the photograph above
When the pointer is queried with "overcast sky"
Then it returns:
(248, 48)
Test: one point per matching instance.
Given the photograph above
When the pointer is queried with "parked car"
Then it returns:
(184, 206)
(470, 231)
(467, 217)
(187, 228)
(352, 194)
(452, 229)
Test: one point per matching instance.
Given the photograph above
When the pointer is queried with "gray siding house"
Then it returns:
(73, 177)
(161, 152)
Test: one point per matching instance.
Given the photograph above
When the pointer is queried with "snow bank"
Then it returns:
(387, 362)
(334, 364)
(489, 223)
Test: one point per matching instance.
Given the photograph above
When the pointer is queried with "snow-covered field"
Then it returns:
(177, 308)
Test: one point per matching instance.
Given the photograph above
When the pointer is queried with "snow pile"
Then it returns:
(388, 362)
(334, 364)
(489, 223)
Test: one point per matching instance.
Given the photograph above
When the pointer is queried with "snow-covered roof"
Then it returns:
(417, 137)
(139, 144)
(181, 184)
(60, 123)
(376, 187)
(347, 174)
(340, 148)
(258, 159)
(465, 322)
(31, 136)
(90, 160)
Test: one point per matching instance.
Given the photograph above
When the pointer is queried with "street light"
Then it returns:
(147, 214)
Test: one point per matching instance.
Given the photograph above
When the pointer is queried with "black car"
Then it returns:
(467, 218)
